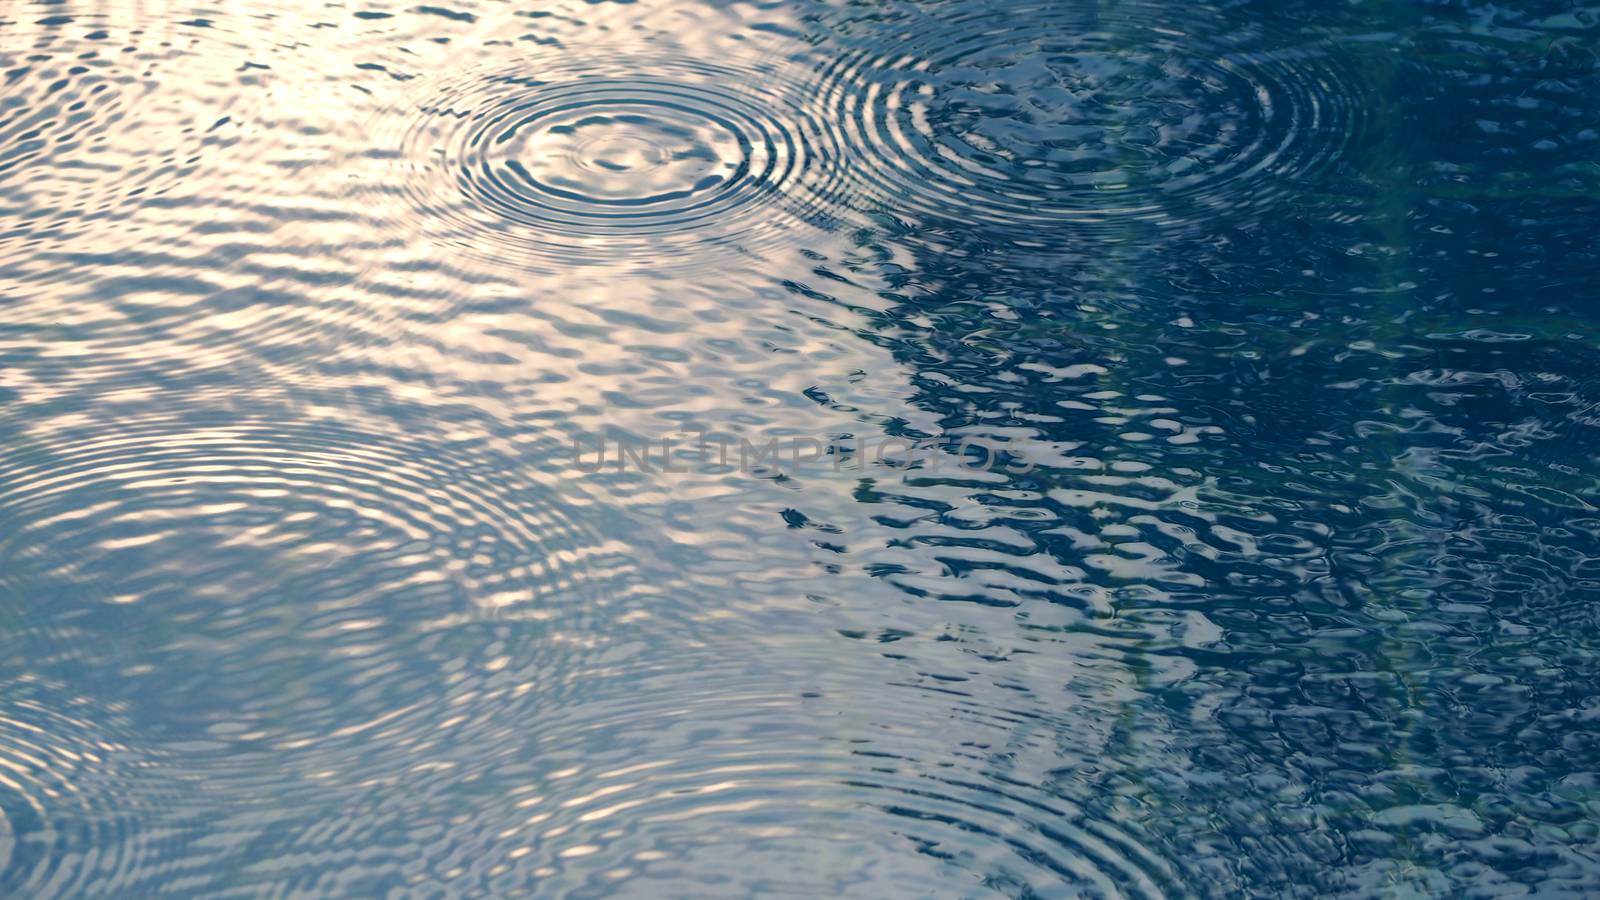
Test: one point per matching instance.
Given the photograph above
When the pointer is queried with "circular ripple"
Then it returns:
(74, 798)
(164, 196)
(688, 780)
(296, 586)
(1045, 116)
(680, 777)
(568, 164)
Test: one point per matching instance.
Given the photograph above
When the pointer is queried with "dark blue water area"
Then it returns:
(689, 449)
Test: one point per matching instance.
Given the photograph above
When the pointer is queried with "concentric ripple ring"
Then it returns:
(1057, 116)
(331, 550)
(77, 797)
(558, 166)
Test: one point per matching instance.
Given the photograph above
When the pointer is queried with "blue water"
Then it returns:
(686, 449)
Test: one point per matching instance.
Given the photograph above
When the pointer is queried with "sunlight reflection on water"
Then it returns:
(304, 590)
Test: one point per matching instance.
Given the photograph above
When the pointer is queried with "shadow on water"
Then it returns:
(1310, 484)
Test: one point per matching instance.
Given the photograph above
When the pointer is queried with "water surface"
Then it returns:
(1272, 322)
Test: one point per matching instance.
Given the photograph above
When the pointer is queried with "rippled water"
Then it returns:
(322, 572)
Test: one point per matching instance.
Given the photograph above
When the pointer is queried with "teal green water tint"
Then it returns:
(1289, 308)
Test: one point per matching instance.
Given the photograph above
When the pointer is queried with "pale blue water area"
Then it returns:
(688, 449)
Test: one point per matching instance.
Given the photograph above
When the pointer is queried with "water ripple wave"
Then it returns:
(1044, 115)
(200, 559)
(76, 796)
(109, 111)
(559, 162)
